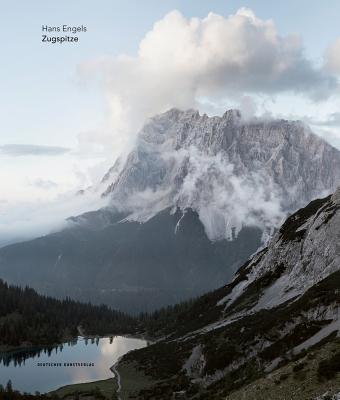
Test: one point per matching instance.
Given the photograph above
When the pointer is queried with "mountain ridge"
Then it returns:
(190, 203)
(185, 160)
(237, 336)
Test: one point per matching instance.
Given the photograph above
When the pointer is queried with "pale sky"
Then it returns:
(83, 101)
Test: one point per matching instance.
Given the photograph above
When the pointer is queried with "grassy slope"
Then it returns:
(132, 380)
(107, 387)
(286, 384)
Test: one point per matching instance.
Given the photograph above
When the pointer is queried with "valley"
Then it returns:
(195, 191)
(240, 337)
(233, 299)
(274, 325)
(170, 200)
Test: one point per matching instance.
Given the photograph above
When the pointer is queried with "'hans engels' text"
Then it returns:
(68, 33)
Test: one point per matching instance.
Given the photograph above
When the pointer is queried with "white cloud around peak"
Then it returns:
(181, 61)
(332, 57)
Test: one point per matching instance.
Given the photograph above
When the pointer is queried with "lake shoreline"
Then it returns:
(27, 346)
(82, 388)
(46, 368)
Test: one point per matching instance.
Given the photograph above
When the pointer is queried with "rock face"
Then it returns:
(193, 200)
(230, 171)
(281, 311)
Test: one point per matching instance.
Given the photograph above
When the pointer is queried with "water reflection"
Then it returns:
(45, 369)
(18, 357)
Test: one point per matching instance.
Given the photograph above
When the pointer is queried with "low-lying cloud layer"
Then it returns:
(208, 184)
(24, 221)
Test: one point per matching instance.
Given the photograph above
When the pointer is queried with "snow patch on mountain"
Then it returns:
(307, 256)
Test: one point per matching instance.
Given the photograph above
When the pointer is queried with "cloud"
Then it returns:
(224, 201)
(17, 150)
(181, 61)
(332, 120)
(45, 184)
(332, 58)
(327, 127)
(25, 220)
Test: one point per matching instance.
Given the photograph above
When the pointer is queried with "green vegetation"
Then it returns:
(329, 368)
(298, 379)
(183, 317)
(188, 316)
(8, 393)
(27, 318)
(104, 389)
(219, 354)
(133, 380)
(100, 390)
(233, 342)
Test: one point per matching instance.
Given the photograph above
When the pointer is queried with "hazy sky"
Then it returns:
(67, 110)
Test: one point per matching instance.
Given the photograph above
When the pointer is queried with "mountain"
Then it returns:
(195, 197)
(128, 265)
(272, 333)
(232, 172)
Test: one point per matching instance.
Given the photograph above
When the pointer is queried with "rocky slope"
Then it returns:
(192, 201)
(279, 319)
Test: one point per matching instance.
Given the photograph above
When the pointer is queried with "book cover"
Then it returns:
(169, 200)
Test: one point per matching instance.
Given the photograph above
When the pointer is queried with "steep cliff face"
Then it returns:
(194, 199)
(280, 315)
(304, 251)
(232, 172)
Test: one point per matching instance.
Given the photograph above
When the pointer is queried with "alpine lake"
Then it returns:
(79, 361)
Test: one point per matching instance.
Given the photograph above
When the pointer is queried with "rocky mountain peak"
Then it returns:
(231, 171)
(233, 115)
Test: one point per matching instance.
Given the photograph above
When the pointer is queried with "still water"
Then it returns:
(28, 374)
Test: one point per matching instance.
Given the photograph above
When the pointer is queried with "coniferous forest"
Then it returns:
(27, 318)
(9, 393)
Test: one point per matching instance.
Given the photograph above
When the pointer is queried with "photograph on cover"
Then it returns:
(170, 200)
